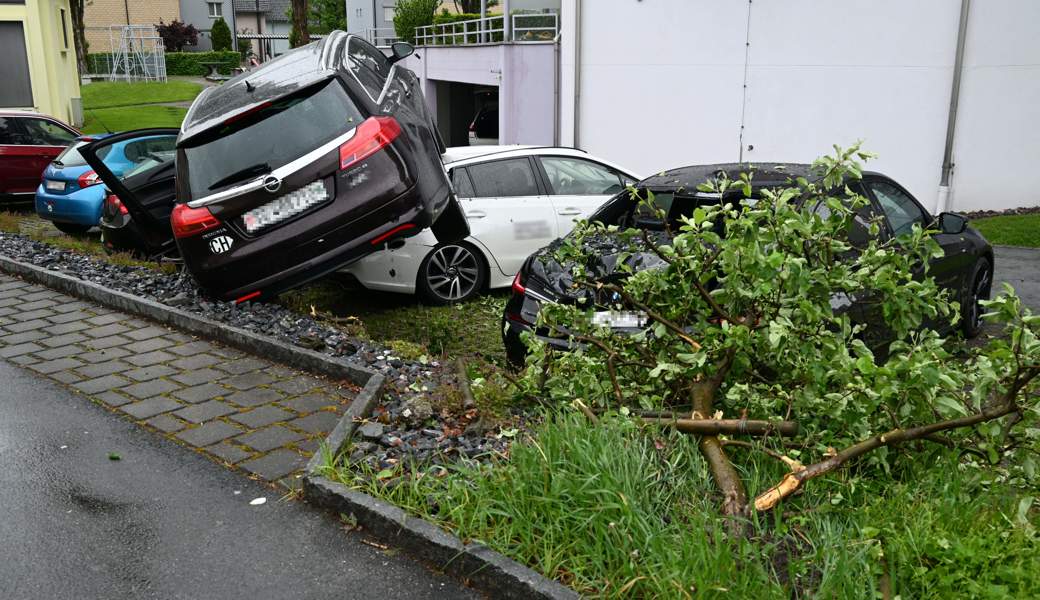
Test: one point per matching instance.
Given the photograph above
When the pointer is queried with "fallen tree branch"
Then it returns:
(468, 401)
(791, 482)
(734, 497)
(726, 426)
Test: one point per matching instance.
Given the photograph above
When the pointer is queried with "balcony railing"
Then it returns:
(525, 27)
(381, 37)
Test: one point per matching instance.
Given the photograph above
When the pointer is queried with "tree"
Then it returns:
(299, 35)
(220, 35)
(328, 16)
(78, 35)
(409, 14)
(472, 6)
(177, 35)
(743, 339)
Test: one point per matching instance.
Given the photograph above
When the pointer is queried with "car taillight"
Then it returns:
(518, 285)
(88, 179)
(187, 221)
(115, 205)
(371, 136)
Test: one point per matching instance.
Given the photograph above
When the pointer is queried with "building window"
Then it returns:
(388, 13)
(64, 30)
(216, 9)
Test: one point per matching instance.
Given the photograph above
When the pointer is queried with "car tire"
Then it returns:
(516, 351)
(450, 273)
(979, 287)
(71, 228)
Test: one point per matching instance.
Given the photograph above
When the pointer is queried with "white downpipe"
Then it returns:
(942, 202)
(577, 73)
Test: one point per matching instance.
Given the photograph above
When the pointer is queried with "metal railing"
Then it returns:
(381, 37)
(525, 27)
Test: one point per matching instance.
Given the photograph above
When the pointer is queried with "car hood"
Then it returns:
(606, 259)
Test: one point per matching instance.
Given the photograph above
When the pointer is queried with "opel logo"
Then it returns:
(272, 183)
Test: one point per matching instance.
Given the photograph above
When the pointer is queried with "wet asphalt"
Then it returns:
(161, 522)
(1019, 267)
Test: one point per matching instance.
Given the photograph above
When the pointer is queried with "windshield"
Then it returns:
(268, 138)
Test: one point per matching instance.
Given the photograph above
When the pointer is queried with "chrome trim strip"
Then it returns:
(281, 172)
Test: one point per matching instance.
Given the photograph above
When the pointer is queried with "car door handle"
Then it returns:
(476, 214)
(570, 210)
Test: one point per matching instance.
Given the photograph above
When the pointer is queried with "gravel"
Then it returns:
(412, 430)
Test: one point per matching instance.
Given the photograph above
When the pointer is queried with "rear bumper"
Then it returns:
(272, 269)
(82, 207)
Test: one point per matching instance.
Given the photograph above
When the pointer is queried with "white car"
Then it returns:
(517, 199)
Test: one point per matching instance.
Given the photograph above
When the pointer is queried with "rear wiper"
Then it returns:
(241, 174)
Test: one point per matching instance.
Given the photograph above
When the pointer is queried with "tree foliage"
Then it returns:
(79, 36)
(409, 14)
(328, 16)
(742, 325)
(176, 35)
(220, 35)
(472, 6)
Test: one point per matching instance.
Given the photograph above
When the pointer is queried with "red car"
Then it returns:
(28, 143)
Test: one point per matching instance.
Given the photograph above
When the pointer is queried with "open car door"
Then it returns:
(139, 168)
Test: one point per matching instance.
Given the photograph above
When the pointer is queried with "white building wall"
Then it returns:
(661, 84)
(997, 144)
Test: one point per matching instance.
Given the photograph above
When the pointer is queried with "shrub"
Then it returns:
(220, 35)
(177, 35)
(190, 63)
(410, 14)
(245, 46)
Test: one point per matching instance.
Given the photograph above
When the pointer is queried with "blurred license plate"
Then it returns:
(286, 206)
(54, 186)
(621, 319)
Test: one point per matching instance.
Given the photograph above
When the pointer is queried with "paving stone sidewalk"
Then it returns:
(239, 409)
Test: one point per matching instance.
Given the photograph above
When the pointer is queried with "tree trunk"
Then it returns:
(300, 11)
(78, 35)
(726, 426)
(734, 498)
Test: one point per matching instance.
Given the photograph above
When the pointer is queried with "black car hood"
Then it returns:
(607, 257)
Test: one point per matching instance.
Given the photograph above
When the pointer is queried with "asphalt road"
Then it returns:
(1019, 267)
(162, 522)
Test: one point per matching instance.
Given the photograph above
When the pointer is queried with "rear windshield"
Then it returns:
(269, 138)
(70, 157)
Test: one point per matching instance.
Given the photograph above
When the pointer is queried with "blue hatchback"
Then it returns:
(71, 194)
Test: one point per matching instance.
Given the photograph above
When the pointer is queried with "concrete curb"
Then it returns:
(486, 569)
(236, 337)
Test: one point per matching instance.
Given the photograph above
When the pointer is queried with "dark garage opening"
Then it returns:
(16, 90)
(458, 104)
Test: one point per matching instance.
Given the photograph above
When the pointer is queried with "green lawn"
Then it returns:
(1011, 230)
(132, 117)
(107, 94)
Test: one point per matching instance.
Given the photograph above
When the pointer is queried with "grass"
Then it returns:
(620, 511)
(108, 94)
(1011, 230)
(470, 330)
(132, 117)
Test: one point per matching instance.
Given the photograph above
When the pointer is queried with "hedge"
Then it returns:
(177, 63)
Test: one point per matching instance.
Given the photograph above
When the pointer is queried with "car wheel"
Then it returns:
(71, 228)
(971, 307)
(452, 273)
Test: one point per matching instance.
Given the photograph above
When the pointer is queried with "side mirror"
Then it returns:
(401, 50)
(952, 223)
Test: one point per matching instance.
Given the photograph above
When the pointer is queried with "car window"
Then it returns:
(269, 138)
(41, 132)
(369, 66)
(460, 181)
(10, 132)
(645, 216)
(130, 157)
(512, 177)
(859, 228)
(70, 157)
(577, 177)
(899, 208)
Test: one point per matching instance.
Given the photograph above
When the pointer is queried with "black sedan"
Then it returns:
(287, 172)
(966, 268)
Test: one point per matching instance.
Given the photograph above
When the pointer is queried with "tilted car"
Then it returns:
(70, 194)
(29, 141)
(516, 199)
(966, 269)
(290, 171)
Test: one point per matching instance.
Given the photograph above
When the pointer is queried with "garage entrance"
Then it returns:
(461, 104)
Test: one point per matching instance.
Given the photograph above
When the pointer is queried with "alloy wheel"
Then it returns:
(452, 272)
(978, 293)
